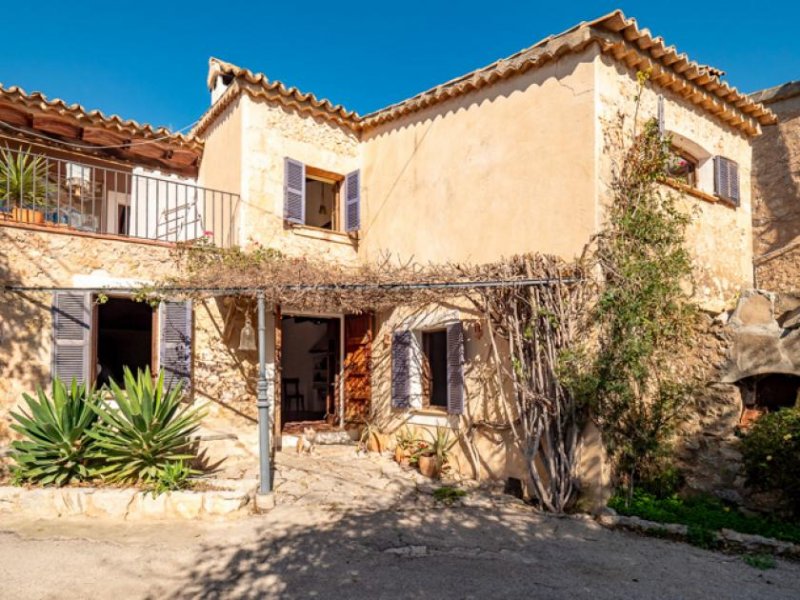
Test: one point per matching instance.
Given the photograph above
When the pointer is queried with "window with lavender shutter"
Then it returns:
(726, 179)
(294, 191)
(72, 318)
(175, 357)
(353, 201)
(455, 368)
(401, 364)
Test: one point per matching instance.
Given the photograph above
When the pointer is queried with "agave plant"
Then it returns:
(23, 178)
(55, 447)
(144, 430)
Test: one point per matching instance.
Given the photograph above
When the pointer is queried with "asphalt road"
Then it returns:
(301, 552)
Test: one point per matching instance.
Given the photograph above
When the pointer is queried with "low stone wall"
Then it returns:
(131, 503)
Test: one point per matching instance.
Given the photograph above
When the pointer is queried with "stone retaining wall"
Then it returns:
(130, 503)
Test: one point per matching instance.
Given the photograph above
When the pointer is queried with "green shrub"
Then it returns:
(55, 448)
(448, 494)
(771, 453)
(702, 511)
(762, 562)
(145, 433)
(173, 477)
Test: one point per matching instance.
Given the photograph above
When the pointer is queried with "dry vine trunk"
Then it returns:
(539, 323)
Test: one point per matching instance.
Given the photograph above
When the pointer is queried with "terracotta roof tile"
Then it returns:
(76, 113)
(617, 36)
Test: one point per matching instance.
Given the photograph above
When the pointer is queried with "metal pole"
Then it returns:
(262, 401)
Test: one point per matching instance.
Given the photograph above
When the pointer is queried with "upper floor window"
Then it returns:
(691, 167)
(319, 198)
(683, 166)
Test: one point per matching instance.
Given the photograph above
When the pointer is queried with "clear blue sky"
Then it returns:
(147, 60)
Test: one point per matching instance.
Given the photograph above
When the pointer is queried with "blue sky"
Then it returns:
(147, 60)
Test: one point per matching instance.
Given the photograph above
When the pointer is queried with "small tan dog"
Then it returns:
(307, 440)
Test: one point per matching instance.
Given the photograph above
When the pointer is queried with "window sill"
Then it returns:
(699, 194)
(317, 233)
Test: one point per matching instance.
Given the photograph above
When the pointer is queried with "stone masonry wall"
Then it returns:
(776, 193)
(223, 376)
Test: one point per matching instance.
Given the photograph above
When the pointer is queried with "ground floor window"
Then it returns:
(124, 338)
(434, 368)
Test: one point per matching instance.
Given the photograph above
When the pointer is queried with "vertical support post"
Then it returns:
(262, 401)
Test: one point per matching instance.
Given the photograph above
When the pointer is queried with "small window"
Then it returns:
(123, 338)
(682, 167)
(322, 199)
(434, 368)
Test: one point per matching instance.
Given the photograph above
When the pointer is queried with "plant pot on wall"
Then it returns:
(28, 215)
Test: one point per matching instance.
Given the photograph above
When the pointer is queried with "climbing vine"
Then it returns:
(636, 379)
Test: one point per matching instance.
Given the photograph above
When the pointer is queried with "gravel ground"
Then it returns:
(358, 526)
(327, 553)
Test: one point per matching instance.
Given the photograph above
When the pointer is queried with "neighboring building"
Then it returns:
(776, 192)
(511, 158)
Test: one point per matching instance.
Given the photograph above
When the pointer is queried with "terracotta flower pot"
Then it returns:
(429, 466)
(28, 215)
(376, 442)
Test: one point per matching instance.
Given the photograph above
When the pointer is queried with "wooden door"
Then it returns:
(357, 367)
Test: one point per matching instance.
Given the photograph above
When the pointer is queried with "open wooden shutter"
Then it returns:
(294, 191)
(72, 318)
(455, 368)
(175, 357)
(401, 369)
(352, 212)
(661, 127)
(726, 179)
(357, 367)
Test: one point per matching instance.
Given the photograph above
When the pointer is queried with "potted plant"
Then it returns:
(372, 439)
(23, 185)
(405, 444)
(433, 456)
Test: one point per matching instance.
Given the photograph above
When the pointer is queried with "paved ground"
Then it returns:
(351, 527)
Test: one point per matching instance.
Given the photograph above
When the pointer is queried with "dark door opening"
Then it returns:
(434, 347)
(124, 338)
(310, 348)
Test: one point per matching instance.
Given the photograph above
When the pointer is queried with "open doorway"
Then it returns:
(310, 351)
(124, 338)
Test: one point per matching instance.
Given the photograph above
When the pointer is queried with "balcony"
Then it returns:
(41, 190)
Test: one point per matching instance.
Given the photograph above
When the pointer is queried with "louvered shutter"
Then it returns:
(353, 201)
(175, 357)
(455, 369)
(72, 318)
(294, 191)
(661, 127)
(401, 364)
(726, 179)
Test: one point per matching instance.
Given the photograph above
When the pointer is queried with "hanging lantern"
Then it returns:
(247, 338)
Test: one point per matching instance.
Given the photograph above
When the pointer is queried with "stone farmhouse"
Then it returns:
(510, 158)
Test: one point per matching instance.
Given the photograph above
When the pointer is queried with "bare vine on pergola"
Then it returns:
(533, 306)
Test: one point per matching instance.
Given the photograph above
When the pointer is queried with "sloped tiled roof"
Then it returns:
(616, 35)
(258, 85)
(55, 119)
(777, 93)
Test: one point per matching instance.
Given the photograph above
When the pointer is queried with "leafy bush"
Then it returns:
(145, 433)
(173, 477)
(702, 512)
(55, 448)
(771, 452)
(762, 562)
(448, 494)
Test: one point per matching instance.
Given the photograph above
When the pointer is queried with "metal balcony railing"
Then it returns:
(42, 190)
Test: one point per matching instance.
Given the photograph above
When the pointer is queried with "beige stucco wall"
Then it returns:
(720, 236)
(223, 376)
(503, 170)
